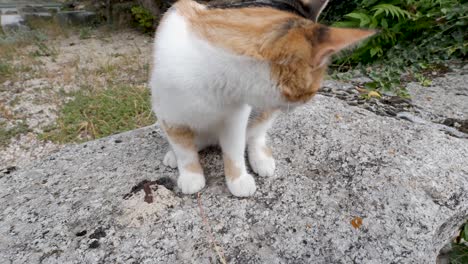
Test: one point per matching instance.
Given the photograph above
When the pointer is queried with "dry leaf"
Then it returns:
(361, 90)
(374, 94)
(356, 222)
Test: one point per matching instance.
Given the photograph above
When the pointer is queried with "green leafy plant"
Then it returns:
(414, 35)
(459, 253)
(144, 18)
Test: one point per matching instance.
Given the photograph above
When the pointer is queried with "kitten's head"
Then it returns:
(300, 49)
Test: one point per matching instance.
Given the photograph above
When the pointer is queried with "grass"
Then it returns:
(13, 46)
(459, 253)
(85, 33)
(6, 134)
(99, 113)
(6, 70)
(92, 112)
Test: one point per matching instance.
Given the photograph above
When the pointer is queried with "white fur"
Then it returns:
(170, 159)
(261, 163)
(212, 91)
(243, 186)
(190, 182)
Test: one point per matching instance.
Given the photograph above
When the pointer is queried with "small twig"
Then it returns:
(218, 249)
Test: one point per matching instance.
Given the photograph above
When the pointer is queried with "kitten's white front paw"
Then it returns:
(170, 159)
(190, 182)
(243, 186)
(262, 164)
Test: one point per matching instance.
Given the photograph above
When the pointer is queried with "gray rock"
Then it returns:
(447, 97)
(32, 18)
(408, 182)
(33, 9)
(415, 119)
(11, 23)
(337, 85)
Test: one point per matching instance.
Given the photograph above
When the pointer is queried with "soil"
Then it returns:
(36, 93)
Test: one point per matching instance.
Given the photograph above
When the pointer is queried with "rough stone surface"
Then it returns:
(443, 103)
(447, 97)
(336, 165)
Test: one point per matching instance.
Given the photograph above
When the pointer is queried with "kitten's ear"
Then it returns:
(338, 39)
(315, 8)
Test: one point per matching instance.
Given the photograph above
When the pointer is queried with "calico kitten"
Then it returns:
(221, 76)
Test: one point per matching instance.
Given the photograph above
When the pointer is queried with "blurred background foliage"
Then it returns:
(416, 37)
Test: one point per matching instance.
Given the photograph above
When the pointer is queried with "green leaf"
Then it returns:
(384, 23)
(375, 51)
(364, 19)
(395, 11)
(465, 232)
(378, 12)
(371, 85)
(345, 24)
(374, 23)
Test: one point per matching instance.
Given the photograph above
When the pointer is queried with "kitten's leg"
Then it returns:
(260, 155)
(232, 140)
(201, 141)
(182, 140)
(170, 159)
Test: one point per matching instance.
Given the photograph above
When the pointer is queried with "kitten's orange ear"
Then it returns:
(337, 40)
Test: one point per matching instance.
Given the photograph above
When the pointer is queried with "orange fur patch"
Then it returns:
(268, 152)
(230, 169)
(182, 136)
(240, 30)
(261, 118)
(194, 167)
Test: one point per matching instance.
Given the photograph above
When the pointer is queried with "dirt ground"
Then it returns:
(45, 74)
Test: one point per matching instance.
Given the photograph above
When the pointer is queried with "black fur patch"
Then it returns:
(291, 6)
(319, 35)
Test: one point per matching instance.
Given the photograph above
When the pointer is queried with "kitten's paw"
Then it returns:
(243, 186)
(262, 161)
(190, 182)
(170, 159)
